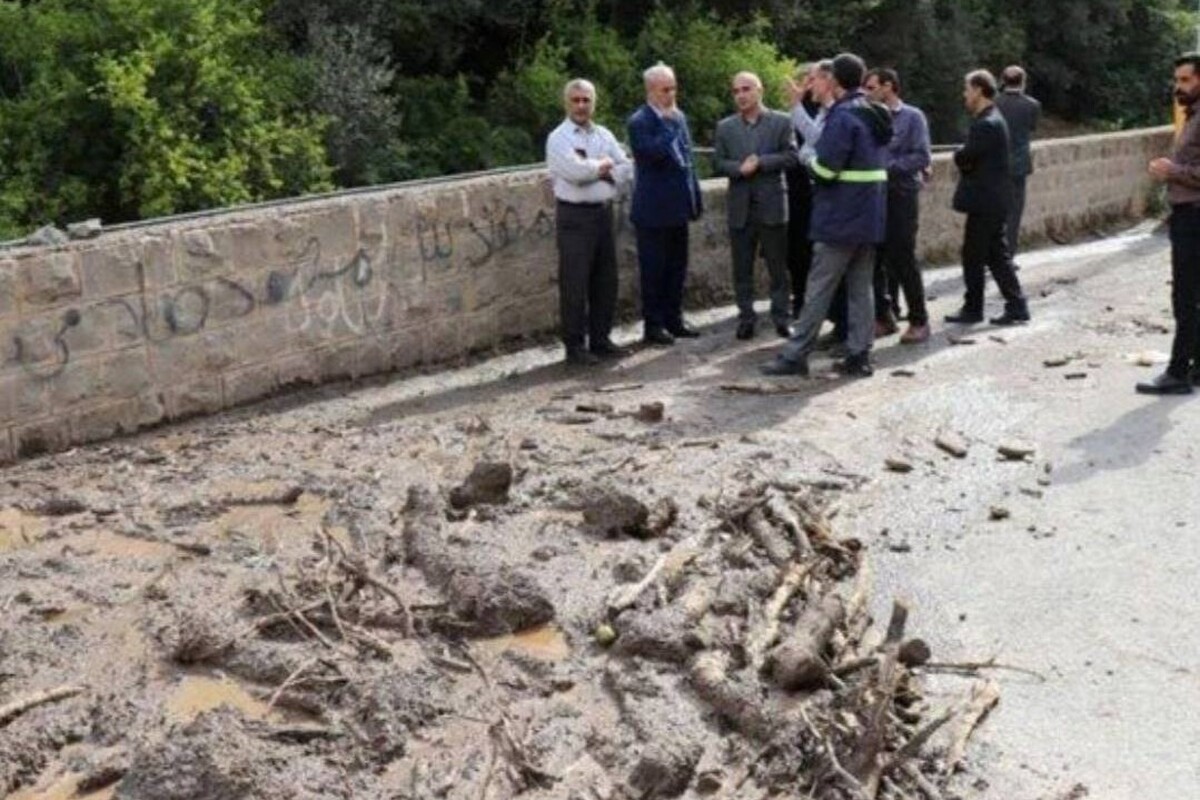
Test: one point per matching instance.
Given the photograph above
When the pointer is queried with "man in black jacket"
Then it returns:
(984, 194)
(1021, 112)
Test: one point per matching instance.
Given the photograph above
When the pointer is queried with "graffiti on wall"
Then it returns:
(321, 296)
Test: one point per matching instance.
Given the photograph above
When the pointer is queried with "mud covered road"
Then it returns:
(178, 586)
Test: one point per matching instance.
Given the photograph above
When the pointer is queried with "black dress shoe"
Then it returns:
(784, 330)
(855, 366)
(1011, 317)
(745, 330)
(964, 317)
(785, 366)
(684, 331)
(659, 337)
(578, 357)
(1165, 384)
(607, 349)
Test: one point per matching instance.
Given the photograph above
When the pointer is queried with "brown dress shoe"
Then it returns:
(916, 334)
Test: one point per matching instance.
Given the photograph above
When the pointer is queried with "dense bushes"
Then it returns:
(130, 108)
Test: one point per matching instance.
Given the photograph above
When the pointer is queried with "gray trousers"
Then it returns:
(832, 262)
(745, 243)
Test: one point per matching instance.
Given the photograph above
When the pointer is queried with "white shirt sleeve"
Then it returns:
(564, 163)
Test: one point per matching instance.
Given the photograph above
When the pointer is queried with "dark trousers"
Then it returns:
(745, 243)
(1185, 289)
(898, 257)
(663, 263)
(1015, 212)
(587, 272)
(985, 247)
(800, 247)
(887, 289)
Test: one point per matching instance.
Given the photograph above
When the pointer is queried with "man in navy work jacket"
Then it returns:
(848, 221)
(666, 197)
(984, 194)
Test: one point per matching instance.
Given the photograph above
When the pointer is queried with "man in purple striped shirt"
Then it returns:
(908, 159)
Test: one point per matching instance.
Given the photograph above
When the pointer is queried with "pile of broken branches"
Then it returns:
(830, 708)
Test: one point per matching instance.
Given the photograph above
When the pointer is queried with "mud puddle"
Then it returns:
(20, 529)
(196, 694)
(547, 643)
(63, 788)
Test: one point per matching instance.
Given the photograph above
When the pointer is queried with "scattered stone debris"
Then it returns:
(898, 464)
(650, 412)
(1014, 450)
(952, 444)
(1150, 358)
(958, 339)
(614, 512)
(488, 484)
(1056, 361)
(997, 513)
(594, 408)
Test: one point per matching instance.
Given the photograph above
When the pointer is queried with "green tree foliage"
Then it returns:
(125, 109)
(130, 108)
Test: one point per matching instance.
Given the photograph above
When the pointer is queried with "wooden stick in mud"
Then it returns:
(785, 515)
(17, 707)
(364, 574)
(665, 568)
(289, 682)
(866, 760)
(799, 661)
(774, 543)
(984, 697)
(764, 634)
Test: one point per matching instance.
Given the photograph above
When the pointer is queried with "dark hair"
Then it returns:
(984, 81)
(885, 75)
(1189, 58)
(848, 70)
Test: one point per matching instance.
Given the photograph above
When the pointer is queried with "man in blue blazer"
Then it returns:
(666, 197)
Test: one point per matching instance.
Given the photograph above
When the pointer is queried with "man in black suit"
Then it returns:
(984, 194)
(1021, 112)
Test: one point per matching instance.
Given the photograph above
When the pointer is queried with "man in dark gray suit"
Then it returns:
(1021, 112)
(754, 148)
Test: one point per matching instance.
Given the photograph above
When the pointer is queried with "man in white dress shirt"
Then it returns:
(588, 169)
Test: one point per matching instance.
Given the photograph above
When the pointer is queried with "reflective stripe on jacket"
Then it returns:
(850, 169)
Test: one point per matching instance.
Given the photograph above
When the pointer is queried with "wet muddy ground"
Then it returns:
(519, 579)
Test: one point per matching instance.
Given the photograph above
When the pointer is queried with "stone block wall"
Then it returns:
(183, 317)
